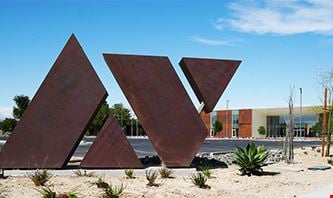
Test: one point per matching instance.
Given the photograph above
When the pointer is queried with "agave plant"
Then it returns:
(250, 160)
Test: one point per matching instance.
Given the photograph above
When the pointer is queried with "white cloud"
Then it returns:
(5, 112)
(210, 41)
(280, 17)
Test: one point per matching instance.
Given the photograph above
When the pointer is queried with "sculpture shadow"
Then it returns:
(198, 163)
(201, 163)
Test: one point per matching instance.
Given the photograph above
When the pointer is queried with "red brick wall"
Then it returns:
(222, 117)
(245, 123)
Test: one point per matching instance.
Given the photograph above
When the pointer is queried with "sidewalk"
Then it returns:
(321, 193)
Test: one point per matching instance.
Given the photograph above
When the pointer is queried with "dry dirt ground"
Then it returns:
(227, 183)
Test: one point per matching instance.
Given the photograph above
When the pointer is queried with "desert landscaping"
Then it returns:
(278, 180)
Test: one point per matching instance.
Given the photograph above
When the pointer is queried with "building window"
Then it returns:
(213, 118)
(235, 123)
(276, 125)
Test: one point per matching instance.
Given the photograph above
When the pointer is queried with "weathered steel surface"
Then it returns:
(58, 115)
(111, 149)
(208, 78)
(162, 105)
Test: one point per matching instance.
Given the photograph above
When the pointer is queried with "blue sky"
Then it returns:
(281, 43)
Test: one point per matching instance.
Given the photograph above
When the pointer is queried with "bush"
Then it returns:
(129, 173)
(40, 177)
(261, 130)
(206, 170)
(79, 173)
(250, 160)
(100, 183)
(165, 173)
(330, 161)
(151, 176)
(48, 193)
(113, 191)
(199, 180)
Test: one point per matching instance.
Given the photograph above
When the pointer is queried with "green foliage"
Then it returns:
(206, 171)
(199, 180)
(151, 176)
(129, 173)
(100, 183)
(217, 127)
(165, 173)
(46, 192)
(316, 128)
(79, 173)
(8, 124)
(40, 177)
(113, 191)
(122, 114)
(21, 104)
(71, 194)
(99, 119)
(250, 160)
(262, 130)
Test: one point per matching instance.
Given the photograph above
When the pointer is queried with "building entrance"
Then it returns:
(234, 132)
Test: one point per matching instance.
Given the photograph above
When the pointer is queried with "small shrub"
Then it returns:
(48, 193)
(129, 173)
(305, 152)
(100, 183)
(151, 176)
(113, 191)
(251, 159)
(70, 194)
(330, 161)
(79, 173)
(206, 171)
(313, 147)
(199, 180)
(40, 177)
(261, 130)
(318, 150)
(165, 173)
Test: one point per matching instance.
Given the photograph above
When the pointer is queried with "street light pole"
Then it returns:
(300, 118)
(227, 119)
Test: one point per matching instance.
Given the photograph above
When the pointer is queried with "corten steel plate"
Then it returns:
(58, 115)
(208, 78)
(111, 149)
(162, 105)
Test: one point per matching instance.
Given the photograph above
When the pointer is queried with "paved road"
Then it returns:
(143, 147)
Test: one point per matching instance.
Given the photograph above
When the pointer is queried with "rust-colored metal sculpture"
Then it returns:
(111, 149)
(162, 105)
(208, 78)
(57, 117)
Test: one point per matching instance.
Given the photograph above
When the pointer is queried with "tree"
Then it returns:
(326, 81)
(8, 125)
(261, 130)
(289, 139)
(122, 114)
(99, 119)
(217, 127)
(22, 103)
